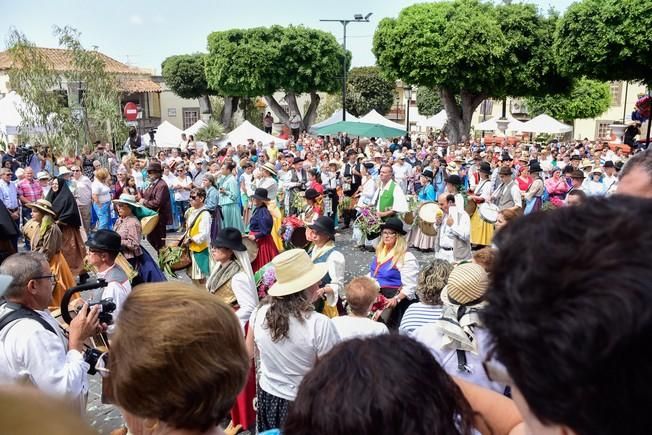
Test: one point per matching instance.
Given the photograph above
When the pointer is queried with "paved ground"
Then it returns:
(105, 418)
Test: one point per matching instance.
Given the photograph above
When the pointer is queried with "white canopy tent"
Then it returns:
(246, 131)
(546, 124)
(167, 136)
(10, 118)
(374, 117)
(193, 129)
(335, 117)
(492, 125)
(436, 121)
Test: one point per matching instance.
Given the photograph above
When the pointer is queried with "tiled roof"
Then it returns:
(61, 61)
(138, 85)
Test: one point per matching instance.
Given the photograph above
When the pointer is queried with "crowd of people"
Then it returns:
(533, 253)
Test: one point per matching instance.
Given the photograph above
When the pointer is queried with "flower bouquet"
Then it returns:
(378, 307)
(264, 278)
(289, 224)
(553, 204)
(368, 223)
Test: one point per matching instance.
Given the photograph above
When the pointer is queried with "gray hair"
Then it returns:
(22, 267)
(642, 160)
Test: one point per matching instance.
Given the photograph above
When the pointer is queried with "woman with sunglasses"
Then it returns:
(396, 271)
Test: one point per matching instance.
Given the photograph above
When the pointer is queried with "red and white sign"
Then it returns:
(131, 111)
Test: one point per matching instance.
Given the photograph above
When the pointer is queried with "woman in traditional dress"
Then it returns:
(102, 199)
(212, 203)
(69, 222)
(260, 228)
(314, 208)
(524, 179)
(270, 183)
(229, 198)
(418, 239)
(232, 281)
(129, 227)
(454, 187)
(46, 237)
(533, 197)
(365, 195)
(482, 232)
(170, 178)
(556, 185)
(314, 181)
(198, 234)
(396, 271)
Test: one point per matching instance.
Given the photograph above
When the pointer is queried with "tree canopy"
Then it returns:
(587, 99)
(470, 51)
(607, 40)
(368, 89)
(428, 101)
(184, 74)
(263, 60)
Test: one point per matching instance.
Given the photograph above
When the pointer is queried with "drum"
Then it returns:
(488, 212)
(299, 238)
(428, 213)
(252, 248)
(149, 223)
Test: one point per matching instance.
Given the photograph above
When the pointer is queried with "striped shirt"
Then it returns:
(417, 315)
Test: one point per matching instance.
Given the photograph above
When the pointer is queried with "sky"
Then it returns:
(143, 33)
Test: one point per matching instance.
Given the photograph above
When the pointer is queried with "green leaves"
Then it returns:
(368, 90)
(587, 99)
(184, 74)
(428, 101)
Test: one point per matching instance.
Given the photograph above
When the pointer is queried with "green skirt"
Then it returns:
(200, 268)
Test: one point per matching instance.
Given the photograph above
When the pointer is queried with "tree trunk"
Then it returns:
(291, 98)
(311, 113)
(205, 105)
(277, 109)
(230, 107)
(460, 114)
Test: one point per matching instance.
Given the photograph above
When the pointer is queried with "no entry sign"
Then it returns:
(131, 111)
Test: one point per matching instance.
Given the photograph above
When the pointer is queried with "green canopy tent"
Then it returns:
(360, 129)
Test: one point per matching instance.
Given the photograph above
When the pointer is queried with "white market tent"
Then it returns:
(546, 124)
(492, 125)
(166, 136)
(436, 121)
(374, 117)
(335, 117)
(193, 129)
(10, 118)
(246, 131)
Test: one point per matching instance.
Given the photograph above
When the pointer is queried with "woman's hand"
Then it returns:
(251, 237)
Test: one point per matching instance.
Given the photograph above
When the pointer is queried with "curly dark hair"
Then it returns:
(432, 280)
(277, 318)
(569, 311)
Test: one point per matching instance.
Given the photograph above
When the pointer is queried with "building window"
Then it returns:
(190, 116)
(602, 130)
(616, 92)
(487, 107)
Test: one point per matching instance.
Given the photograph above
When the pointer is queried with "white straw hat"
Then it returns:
(467, 283)
(295, 272)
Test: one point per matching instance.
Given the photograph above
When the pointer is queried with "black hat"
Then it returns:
(428, 173)
(454, 180)
(311, 194)
(325, 225)
(506, 157)
(535, 166)
(609, 164)
(368, 165)
(104, 240)
(485, 167)
(297, 160)
(261, 194)
(619, 165)
(576, 157)
(505, 171)
(394, 224)
(230, 238)
(154, 167)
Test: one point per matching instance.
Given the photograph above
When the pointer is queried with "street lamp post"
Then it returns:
(357, 18)
(408, 92)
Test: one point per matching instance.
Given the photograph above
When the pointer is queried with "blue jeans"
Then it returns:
(103, 213)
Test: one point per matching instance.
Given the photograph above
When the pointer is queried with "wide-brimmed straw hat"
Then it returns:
(295, 272)
(467, 284)
(269, 168)
(42, 205)
(128, 199)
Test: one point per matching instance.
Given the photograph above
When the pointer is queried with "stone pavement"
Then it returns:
(105, 418)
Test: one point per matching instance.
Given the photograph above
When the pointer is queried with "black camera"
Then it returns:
(92, 356)
(107, 307)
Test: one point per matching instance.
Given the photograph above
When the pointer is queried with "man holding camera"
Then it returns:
(33, 349)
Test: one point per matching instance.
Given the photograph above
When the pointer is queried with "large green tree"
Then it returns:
(260, 61)
(607, 40)
(470, 51)
(185, 76)
(368, 89)
(587, 99)
(428, 101)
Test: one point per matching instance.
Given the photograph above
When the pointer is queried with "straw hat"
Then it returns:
(467, 283)
(295, 272)
(586, 163)
(452, 167)
(269, 168)
(42, 205)
(43, 175)
(64, 170)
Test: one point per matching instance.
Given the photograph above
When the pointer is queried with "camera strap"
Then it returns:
(22, 312)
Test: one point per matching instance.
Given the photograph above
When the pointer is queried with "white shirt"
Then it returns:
(368, 191)
(118, 291)
(246, 296)
(182, 186)
(102, 191)
(352, 327)
(283, 364)
(401, 173)
(137, 175)
(336, 269)
(83, 190)
(409, 270)
(30, 354)
(514, 191)
(400, 204)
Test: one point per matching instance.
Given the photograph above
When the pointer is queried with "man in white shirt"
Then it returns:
(33, 349)
(453, 242)
(389, 198)
(103, 248)
(402, 171)
(83, 194)
(610, 179)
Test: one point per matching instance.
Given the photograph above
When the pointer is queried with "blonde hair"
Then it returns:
(102, 174)
(190, 365)
(400, 248)
(361, 292)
